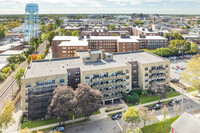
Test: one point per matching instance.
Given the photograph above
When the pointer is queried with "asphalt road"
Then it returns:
(115, 126)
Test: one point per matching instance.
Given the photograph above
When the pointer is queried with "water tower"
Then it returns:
(31, 25)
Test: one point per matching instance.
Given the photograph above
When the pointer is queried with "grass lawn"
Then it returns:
(148, 99)
(172, 94)
(191, 90)
(32, 124)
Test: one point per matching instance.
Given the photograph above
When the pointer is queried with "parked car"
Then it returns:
(158, 106)
(149, 107)
(184, 100)
(172, 102)
(59, 128)
(116, 116)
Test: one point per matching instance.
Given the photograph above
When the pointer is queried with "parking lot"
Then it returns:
(177, 65)
(114, 126)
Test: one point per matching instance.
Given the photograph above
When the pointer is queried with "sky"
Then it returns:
(103, 6)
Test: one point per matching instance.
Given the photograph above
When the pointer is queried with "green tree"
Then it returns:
(180, 46)
(136, 130)
(193, 48)
(68, 33)
(50, 27)
(198, 22)
(50, 36)
(2, 31)
(192, 72)
(75, 33)
(12, 25)
(173, 36)
(165, 111)
(19, 75)
(138, 22)
(6, 115)
(111, 27)
(62, 31)
(131, 116)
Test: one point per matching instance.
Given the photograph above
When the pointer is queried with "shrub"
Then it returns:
(133, 98)
(144, 92)
(151, 92)
(107, 110)
(2, 76)
(138, 91)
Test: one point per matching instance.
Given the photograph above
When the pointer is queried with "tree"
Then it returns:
(75, 33)
(198, 22)
(2, 31)
(12, 25)
(173, 36)
(68, 33)
(50, 27)
(138, 22)
(6, 115)
(192, 72)
(18, 76)
(152, 117)
(62, 31)
(131, 116)
(111, 27)
(63, 103)
(43, 28)
(136, 130)
(144, 112)
(176, 108)
(180, 46)
(160, 90)
(50, 36)
(89, 100)
(165, 111)
(193, 48)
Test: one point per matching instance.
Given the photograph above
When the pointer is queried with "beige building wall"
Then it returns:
(125, 69)
(32, 82)
(142, 72)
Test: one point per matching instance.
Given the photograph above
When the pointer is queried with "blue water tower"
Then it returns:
(31, 26)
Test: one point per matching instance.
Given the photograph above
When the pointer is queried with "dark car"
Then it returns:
(59, 128)
(158, 106)
(172, 102)
(149, 107)
(116, 116)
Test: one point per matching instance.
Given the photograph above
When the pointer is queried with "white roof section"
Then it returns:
(62, 38)
(11, 52)
(74, 43)
(152, 38)
(186, 123)
(145, 30)
(8, 46)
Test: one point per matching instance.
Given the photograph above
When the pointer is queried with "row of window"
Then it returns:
(49, 82)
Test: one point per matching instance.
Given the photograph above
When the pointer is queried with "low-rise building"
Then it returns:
(111, 44)
(112, 74)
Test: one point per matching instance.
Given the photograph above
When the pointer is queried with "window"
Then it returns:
(77, 73)
(39, 83)
(146, 68)
(62, 81)
(69, 74)
(64, 48)
(87, 76)
(77, 80)
(50, 82)
(135, 71)
(146, 80)
(127, 77)
(28, 85)
(146, 74)
(146, 86)
(127, 71)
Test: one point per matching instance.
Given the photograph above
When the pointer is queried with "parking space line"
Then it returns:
(118, 124)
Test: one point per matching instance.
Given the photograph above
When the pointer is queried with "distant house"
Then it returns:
(186, 123)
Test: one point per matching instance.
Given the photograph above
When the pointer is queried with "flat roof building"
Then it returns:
(112, 74)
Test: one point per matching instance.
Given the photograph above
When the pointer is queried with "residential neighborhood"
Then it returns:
(85, 67)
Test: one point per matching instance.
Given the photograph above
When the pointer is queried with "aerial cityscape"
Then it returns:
(109, 66)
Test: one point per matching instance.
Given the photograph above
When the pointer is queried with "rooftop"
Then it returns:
(59, 66)
(10, 45)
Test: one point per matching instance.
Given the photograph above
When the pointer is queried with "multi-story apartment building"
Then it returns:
(112, 74)
(137, 31)
(112, 44)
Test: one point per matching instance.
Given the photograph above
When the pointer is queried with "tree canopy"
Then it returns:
(2, 31)
(173, 36)
(18, 76)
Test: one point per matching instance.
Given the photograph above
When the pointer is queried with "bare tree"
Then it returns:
(152, 117)
(63, 103)
(165, 111)
(160, 90)
(176, 108)
(89, 100)
(144, 112)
